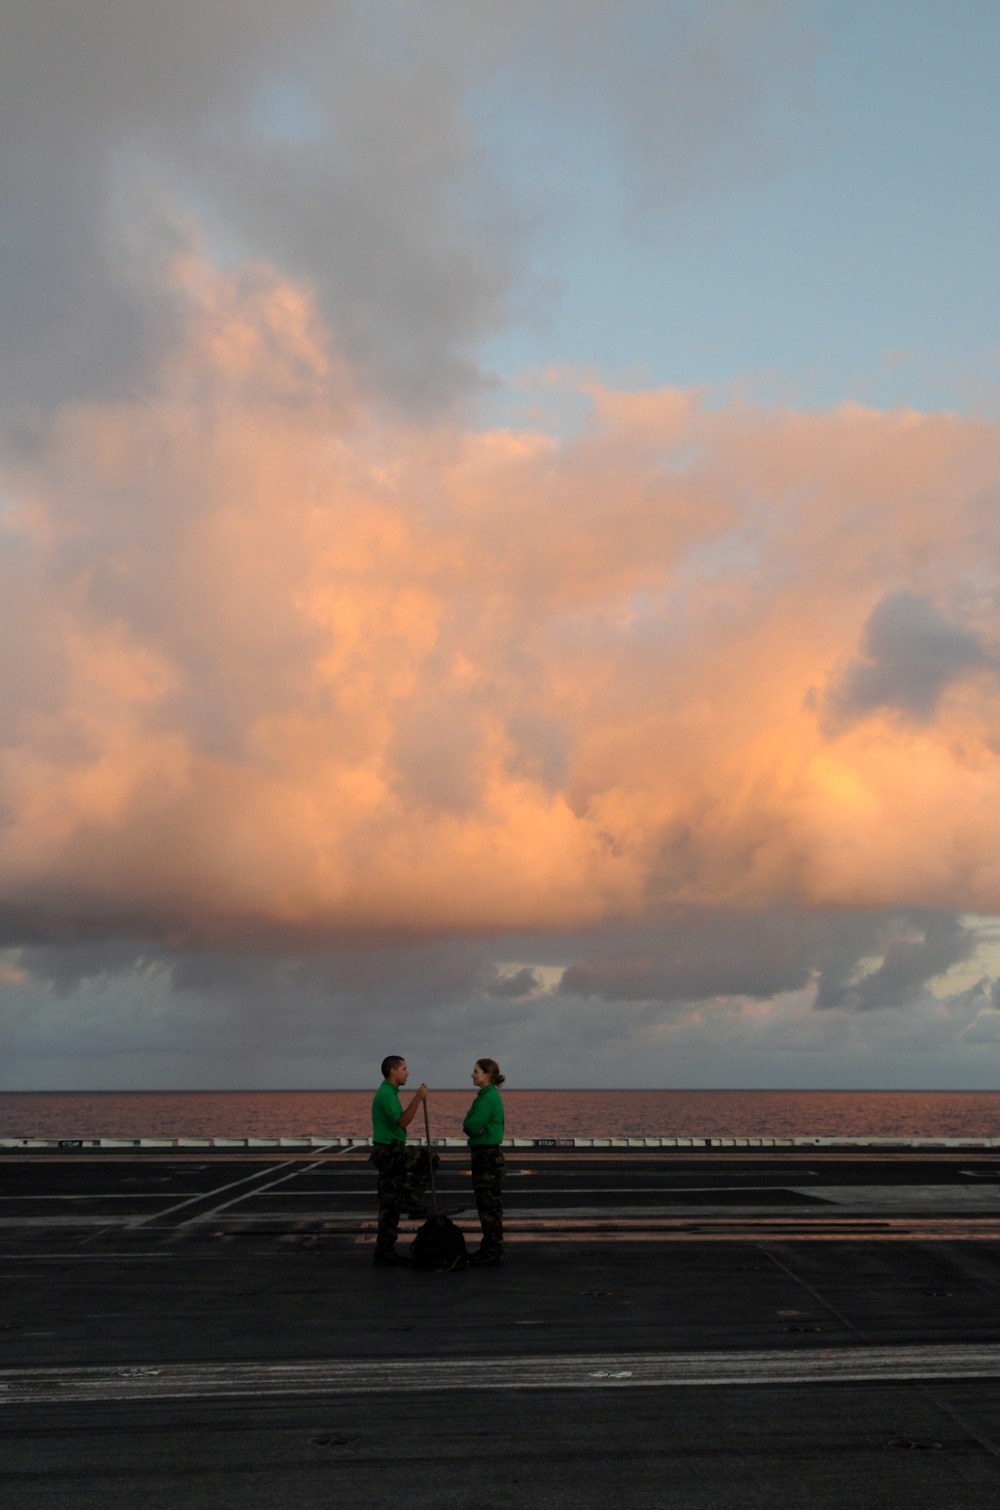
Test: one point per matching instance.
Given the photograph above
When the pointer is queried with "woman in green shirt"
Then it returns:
(484, 1129)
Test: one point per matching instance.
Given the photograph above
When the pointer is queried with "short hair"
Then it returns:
(491, 1068)
(391, 1062)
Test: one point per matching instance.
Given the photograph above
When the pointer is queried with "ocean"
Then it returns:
(537, 1113)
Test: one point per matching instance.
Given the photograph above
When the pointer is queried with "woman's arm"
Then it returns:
(488, 1112)
(494, 1112)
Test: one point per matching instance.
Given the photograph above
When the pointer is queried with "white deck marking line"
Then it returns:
(128, 1195)
(541, 1190)
(579, 1224)
(206, 1216)
(625, 1370)
(556, 1231)
(912, 1232)
(232, 1185)
(158, 1255)
(841, 1196)
(71, 1221)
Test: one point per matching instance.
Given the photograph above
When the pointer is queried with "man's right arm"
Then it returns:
(407, 1116)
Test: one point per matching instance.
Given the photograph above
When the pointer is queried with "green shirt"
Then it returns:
(386, 1112)
(484, 1124)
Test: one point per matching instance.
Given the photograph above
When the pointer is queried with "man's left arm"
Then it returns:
(406, 1117)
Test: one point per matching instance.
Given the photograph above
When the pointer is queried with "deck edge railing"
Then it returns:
(319, 1141)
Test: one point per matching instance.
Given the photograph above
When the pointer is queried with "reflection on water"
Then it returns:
(171, 1114)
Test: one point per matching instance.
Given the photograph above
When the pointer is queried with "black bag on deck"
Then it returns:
(439, 1244)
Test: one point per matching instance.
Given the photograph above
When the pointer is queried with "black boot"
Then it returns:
(483, 1260)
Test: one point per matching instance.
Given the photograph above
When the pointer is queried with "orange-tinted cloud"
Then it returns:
(272, 666)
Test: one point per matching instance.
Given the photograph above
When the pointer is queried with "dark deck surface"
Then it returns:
(685, 1330)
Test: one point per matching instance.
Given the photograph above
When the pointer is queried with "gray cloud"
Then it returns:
(932, 943)
(986, 1026)
(910, 655)
(294, 135)
(701, 956)
(695, 100)
(523, 982)
(89, 1014)
(717, 955)
(78, 82)
(216, 1020)
(336, 141)
(437, 968)
(89, 961)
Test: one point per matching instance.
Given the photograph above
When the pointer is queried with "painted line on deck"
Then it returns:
(157, 1216)
(178, 1381)
(128, 1195)
(594, 1228)
(249, 1195)
(546, 1190)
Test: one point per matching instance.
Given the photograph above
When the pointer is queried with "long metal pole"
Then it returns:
(430, 1158)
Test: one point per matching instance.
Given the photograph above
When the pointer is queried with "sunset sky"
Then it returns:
(499, 542)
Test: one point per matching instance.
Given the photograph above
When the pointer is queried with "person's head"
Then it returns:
(394, 1069)
(487, 1072)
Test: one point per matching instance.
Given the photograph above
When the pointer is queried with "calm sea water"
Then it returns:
(172, 1114)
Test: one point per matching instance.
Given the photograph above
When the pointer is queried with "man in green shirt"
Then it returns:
(403, 1172)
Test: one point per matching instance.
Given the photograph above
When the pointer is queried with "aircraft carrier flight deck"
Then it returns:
(694, 1327)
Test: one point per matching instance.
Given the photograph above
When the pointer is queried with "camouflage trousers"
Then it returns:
(403, 1176)
(488, 1170)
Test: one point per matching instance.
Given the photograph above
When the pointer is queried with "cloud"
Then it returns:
(344, 145)
(227, 1020)
(290, 674)
(925, 947)
(986, 1026)
(299, 137)
(93, 962)
(910, 655)
(694, 93)
(323, 703)
(703, 955)
(854, 961)
(518, 984)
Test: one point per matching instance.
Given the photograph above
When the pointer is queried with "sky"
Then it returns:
(499, 546)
